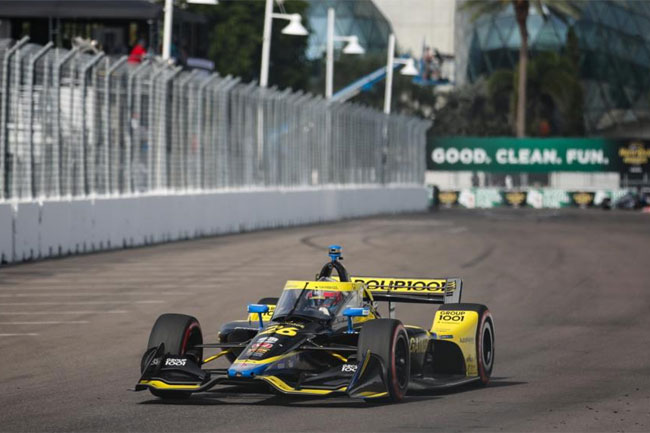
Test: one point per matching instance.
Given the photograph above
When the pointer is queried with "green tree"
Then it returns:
(554, 91)
(471, 110)
(560, 8)
(236, 42)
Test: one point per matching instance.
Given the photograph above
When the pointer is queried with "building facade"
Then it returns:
(117, 25)
(614, 56)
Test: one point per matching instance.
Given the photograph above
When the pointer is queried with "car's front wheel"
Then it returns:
(387, 339)
(180, 334)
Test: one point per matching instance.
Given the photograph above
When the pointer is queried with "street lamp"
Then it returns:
(352, 47)
(169, 18)
(408, 69)
(294, 27)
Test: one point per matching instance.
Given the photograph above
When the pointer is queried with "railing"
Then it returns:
(75, 123)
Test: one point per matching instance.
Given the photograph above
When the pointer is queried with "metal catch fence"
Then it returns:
(77, 123)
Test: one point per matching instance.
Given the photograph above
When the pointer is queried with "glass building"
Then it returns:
(360, 18)
(614, 45)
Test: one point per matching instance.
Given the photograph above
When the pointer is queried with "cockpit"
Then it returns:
(320, 300)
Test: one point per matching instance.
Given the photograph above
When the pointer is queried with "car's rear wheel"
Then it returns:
(485, 346)
(387, 339)
(484, 338)
(268, 301)
(180, 334)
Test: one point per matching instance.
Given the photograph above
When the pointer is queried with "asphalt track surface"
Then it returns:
(568, 290)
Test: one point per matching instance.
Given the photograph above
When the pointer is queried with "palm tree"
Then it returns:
(561, 8)
(553, 88)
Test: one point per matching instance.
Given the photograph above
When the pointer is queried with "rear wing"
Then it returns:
(413, 290)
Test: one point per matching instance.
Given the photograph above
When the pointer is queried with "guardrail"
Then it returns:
(75, 123)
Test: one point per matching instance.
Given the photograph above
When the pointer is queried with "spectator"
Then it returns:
(138, 52)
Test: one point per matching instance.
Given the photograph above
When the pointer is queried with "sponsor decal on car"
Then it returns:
(257, 352)
(419, 345)
(470, 363)
(175, 362)
(402, 285)
(349, 368)
(261, 345)
(451, 316)
(288, 331)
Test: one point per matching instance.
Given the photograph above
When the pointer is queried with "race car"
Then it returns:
(327, 337)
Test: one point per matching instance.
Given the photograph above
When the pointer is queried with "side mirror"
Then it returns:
(351, 312)
(259, 309)
(356, 312)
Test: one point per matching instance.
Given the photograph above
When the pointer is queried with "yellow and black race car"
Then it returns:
(326, 337)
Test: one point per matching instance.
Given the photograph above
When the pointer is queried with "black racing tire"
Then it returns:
(236, 336)
(485, 346)
(180, 333)
(485, 338)
(269, 301)
(387, 338)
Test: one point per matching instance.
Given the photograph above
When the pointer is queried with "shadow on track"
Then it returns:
(280, 400)
(232, 397)
(495, 382)
(235, 396)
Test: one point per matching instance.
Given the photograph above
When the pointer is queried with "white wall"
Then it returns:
(585, 180)
(448, 179)
(52, 228)
(563, 180)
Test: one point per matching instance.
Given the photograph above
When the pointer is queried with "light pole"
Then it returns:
(294, 27)
(167, 29)
(408, 69)
(169, 18)
(352, 47)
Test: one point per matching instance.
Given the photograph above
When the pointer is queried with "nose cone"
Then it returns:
(245, 369)
(264, 350)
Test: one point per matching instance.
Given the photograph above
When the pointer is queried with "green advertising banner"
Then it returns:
(506, 154)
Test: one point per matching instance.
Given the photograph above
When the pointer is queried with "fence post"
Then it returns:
(150, 133)
(4, 130)
(16, 150)
(107, 123)
(30, 114)
(84, 73)
(180, 144)
(56, 154)
(162, 130)
(129, 136)
(200, 182)
(222, 131)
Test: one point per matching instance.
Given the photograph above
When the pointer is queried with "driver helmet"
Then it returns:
(325, 299)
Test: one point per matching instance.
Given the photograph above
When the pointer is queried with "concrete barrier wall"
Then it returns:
(54, 228)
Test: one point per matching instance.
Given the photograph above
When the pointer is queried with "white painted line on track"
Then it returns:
(37, 295)
(81, 303)
(29, 334)
(48, 322)
(34, 313)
